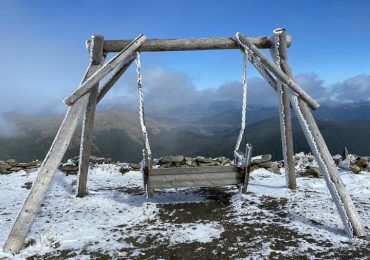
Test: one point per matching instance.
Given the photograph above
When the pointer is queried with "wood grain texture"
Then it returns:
(188, 44)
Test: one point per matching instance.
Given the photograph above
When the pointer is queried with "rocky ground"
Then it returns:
(116, 220)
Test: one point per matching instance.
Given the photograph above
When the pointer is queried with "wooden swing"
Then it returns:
(206, 176)
(88, 95)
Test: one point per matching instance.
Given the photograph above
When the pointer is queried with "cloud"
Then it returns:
(7, 129)
(167, 89)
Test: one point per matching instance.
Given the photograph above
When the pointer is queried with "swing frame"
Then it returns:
(88, 95)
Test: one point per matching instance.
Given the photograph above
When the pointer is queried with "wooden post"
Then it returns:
(351, 221)
(281, 53)
(255, 54)
(46, 173)
(97, 58)
(247, 168)
(123, 57)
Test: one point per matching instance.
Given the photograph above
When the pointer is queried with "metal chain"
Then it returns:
(141, 107)
(244, 105)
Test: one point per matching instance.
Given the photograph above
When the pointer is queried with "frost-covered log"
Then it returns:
(97, 58)
(256, 54)
(281, 55)
(189, 44)
(114, 78)
(343, 201)
(46, 173)
(122, 57)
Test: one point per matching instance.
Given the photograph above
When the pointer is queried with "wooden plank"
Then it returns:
(285, 111)
(88, 120)
(195, 183)
(256, 54)
(113, 79)
(123, 57)
(194, 170)
(46, 173)
(351, 221)
(200, 176)
(188, 44)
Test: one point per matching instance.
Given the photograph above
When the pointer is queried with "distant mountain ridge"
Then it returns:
(196, 131)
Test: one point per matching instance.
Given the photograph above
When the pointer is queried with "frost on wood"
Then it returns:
(324, 169)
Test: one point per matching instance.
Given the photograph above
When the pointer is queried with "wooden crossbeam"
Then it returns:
(189, 44)
(123, 57)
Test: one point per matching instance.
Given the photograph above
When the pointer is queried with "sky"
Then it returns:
(43, 54)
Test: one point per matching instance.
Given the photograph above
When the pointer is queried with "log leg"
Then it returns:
(46, 173)
(97, 58)
(351, 221)
(280, 53)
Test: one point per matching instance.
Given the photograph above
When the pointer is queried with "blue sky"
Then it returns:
(43, 55)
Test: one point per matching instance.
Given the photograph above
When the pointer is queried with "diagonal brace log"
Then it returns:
(122, 57)
(255, 53)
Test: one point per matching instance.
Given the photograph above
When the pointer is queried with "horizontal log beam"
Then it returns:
(189, 44)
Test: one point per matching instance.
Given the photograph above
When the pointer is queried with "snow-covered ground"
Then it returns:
(116, 219)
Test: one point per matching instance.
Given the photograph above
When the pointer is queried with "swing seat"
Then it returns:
(211, 176)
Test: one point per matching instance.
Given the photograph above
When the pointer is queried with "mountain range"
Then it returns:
(208, 130)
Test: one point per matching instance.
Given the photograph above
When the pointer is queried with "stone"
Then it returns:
(3, 170)
(362, 162)
(268, 164)
(354, 168)
(201, 159)
(178, 159)
(165, 160)
(223, 160)
(15, 169)
(134, 166)
(264, 158)
(274, 168)
(26, 165)
(27, 185)
(11, 161)
(312, 171)
(69, 168)
(189, 161)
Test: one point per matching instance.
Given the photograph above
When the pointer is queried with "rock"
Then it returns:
(175, 160)
(362, 162)
(263, 158)
(223, 160)
(274, 168)
(11, 161)
(354, 168)
(312, 171)
(123, 170)
(268, 164)
(134, 166)
(201, 159)
(27, 185)
(189, 161)
(214, 163)
(3, 170)
(99, 160)
(69, 168)
(27, 165)
(15, 169)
